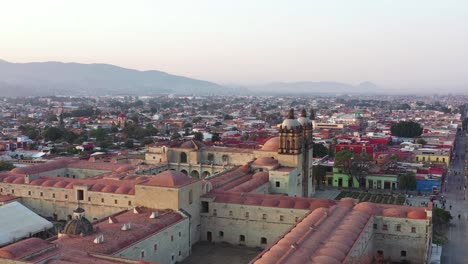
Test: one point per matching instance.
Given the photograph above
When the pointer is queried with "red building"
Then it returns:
(357, 148)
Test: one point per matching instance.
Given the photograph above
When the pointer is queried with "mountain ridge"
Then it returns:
(71, 78)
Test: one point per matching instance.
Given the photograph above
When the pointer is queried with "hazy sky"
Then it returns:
(392, 43)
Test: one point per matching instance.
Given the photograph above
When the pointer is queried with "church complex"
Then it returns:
(120, 210)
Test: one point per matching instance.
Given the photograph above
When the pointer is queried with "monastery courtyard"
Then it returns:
(211, 253)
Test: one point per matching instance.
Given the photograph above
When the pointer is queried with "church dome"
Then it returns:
(78, 225)
(272, 144)
(290, 122)
(303, 119)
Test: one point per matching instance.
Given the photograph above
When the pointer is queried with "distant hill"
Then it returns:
(317, 88)
(57, 78)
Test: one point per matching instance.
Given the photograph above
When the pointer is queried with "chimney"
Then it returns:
(99, 239)
(154, 215)
(126, 227)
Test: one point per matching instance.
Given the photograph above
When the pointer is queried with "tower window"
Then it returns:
(80, 195)
(413, 229)
(277, 184)
(242, 238)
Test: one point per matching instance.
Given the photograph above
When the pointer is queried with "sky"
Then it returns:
(393, 43)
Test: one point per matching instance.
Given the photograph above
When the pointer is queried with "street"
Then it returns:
(455, 250)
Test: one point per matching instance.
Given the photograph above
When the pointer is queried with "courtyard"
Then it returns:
(373, 197)
(214, 253)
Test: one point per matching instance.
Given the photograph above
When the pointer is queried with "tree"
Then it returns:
(356, 166)
(175, 135)
(441, 221)
(215, 137)
(407, 129)
(319, 150)
(198, 136)
(408, 181)
(390, 163)
(53, 134)
(6, 166)
(421, 141)
(228, 117)
(128, 143)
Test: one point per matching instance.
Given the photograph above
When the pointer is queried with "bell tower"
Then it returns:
(291, 136)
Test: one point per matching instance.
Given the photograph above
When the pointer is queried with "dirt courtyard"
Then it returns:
(211, 253)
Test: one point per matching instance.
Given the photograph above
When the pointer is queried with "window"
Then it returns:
(263, 240)
(102, 200)
(398, 228)
(205, 207)
(115, 201)
(264, 217)
(221, 233)
(180, 253)
(172, 257)
(42, 194)
(277, 184)
(129, 203)
(246, 214)
(403, 253)
(172, 238)
(385, 227)
(230, 213)
(1, 189)
(296, 219)
(413, 229)
(142, 254)
(80, 195)
(155, 247)
(180, 234)
(190, 197)
(242, 238)
(29, 192)
(375, 226)
(89, 199)
(53, 195)
(66, 196)
(12, 191)
(281, 218)
(215, 213)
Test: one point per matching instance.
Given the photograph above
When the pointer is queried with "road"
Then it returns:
(455, 251)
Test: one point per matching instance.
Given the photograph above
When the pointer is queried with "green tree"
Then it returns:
(441, 221)
(407, 181)
(175, 135)
(319, 150)
(198, 136)
(6, 166)
(128, 143)
(53, 134)
(421, 141)
(356, 166)
(215, 137)
(407, 129)
(228, 117)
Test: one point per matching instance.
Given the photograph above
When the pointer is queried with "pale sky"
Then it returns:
(399, 43)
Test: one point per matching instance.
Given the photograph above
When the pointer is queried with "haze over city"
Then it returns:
(402, 46)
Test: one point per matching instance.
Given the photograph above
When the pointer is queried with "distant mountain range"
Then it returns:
(318, 88)
(57, 78)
